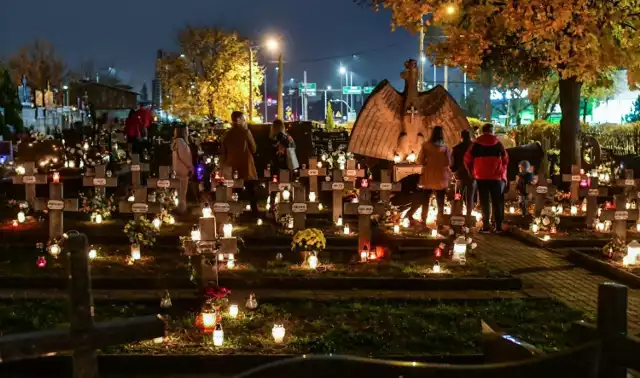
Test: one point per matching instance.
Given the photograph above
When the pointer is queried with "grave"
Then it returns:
(619, 216)
(100, 180)
(364, 208)
(136, 168)
(164, 179)
(313, 171)
(336, 186)
(29, 178)
(56, 204)
(139, 206)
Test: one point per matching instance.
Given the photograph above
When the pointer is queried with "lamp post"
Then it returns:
(271, 45)
(343, 72)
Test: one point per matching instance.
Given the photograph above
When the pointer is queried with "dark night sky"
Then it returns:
(127, 33)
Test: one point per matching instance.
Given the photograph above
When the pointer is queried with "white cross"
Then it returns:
(413, 111)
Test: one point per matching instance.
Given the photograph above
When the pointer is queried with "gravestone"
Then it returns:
(353, 171)
(574, 179)
(56, 204)
(591, 194)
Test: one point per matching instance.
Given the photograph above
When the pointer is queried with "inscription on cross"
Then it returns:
(542, 191)
(99, 180)
(313, 171)
(353, 171)
(136, 168)
(364, 209)
(56, 204)
(29, 178)
(620, 215)
(164, 179)
(385, 186)
(336, 187)
(574, 179)
(139, 207)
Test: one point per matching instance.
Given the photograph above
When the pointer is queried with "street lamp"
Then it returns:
(272, 45)
(343, 72)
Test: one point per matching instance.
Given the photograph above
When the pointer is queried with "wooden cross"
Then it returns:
(385, 186)
(139, 207)
(456, 219)
(299, 207)
(230, 182)
(224, 206)
(57, 205)
(83, 336)
(574, 178)
(336, 187)
(100, 180)
(364, 209)
(542, 190)
(591, 194)
(352, 172)
(136, 167)
(164, 179)
(282, 183)
(628, 183)
(312, 172)
(620, 215)
(412, 111)
(30, 179)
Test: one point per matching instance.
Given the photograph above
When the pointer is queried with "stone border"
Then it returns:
(598, 266)
(147, 365)
(243, 283)
(527, 237)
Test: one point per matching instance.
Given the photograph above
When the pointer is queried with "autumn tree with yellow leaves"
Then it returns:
(577, 40)
(209, 77)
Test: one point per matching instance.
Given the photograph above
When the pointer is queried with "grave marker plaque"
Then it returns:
(139, 207)
(99, 180)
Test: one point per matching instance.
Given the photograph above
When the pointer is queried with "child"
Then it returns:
(523, 180)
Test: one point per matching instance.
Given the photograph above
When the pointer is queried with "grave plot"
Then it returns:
(288, 326)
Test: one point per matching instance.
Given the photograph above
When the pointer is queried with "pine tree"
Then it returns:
(329, 123)
(9, 102)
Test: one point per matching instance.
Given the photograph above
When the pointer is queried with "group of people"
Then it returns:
(238, 151)
(136, 127)
(478, 165)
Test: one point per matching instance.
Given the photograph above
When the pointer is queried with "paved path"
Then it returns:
(551, 274)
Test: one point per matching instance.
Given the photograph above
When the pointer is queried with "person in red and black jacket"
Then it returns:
(487, 161)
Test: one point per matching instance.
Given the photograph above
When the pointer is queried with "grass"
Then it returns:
(364, 327)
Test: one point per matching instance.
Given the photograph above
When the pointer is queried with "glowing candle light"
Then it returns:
(434, 233)
(98, 218)
(278, 333)
(206, 211)
(56, 177)
(574, 210)
(436, 267)
(312, 260)
(312, 196)
(21, 217)
(157, 223)
(227, 229)
(93, 253)
(411, 158)
(339, 222)
(233, 311)
(396, 228)
(135, 252)
(512, 210)
(218, 335)
(259, 222)
(405, 222)
(54, 249)
(346, 230)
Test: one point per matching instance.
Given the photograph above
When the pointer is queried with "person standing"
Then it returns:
(467, 185)
(238, 147)
(132, 132)
(435, 158)
(487, 159)
(281, 142)
(182, 164)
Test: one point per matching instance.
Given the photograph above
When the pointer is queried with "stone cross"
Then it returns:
(30, 179)
(628, 183)
(591, 194)
(83, 336)
(542, 190)
(312, 172)
(352, 172)
(620, 215)
(100, 180)
(385, 186)
(164, 179)
(136, 167)
(139, 207)
(224, 206)
(364, 209)
(574, 178)
(57, 205)
(336, 187)
(413, 112)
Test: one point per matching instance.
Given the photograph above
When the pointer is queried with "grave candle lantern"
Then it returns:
(574, 210)
(41, 262)
(411, 158)
(14, 223)
(339, 222)
(436, 267)
(54, 249)
(97, 218)
(459, 247)
(218, 335)
(206, 211)
(364, 254)
(21, 217)
(405, 222)
(172, 220)
(534, 228)
(512, 210)
(346, 230)
(135, 252)
(195, 233)
(20, 170)
(434, 233)
(396, 228)
(320, 207)
(312, 196)
(278, 333)
(312, 260)
(396, 159)
(56, 177)
(633, 250)
(233, 311)
(93, 253)
(231, 261)
(227, 230)
(259, 222)
(157, 223)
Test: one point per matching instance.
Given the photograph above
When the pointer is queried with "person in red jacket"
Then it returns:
(487, 160)
(132, 131)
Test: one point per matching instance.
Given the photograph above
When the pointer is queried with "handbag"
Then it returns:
(292, 159)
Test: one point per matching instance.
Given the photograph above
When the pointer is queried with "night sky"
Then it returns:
(126, 34)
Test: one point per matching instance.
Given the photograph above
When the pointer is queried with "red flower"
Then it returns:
(217, 292)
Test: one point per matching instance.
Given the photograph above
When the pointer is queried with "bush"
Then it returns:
(475, 123)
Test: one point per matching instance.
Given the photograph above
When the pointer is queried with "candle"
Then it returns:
(227, 230)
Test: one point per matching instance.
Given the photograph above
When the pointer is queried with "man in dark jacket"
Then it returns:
(487, 160)
(467, 183)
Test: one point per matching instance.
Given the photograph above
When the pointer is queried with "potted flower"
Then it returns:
(308, 242)
(140, 233)
(97, 206)
(216, 300)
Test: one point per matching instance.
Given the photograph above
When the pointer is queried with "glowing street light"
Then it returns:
(450, 9)
(272, 44)
(343, 70)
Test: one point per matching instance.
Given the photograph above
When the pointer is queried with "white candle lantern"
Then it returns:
(259, 222)
(320, 207)
(436, 267)
(157, 223)
(546, 238)
(135, 251)
(131, 198)
(638, 227)
(54, 249)
(346, 230)
(195, 233)
(534, 228)
(600, 226)
(460, 246)
(574, 210)
(20, 170)
(158, 340)
(364, 254)
(231, 261)
(21, 217)
(278, 333)
(434, 233)
(411, 158)
(227, 229)
(206, 211)
(396, 158)
(633, 250)
(93, 253)
(396, 228)
(312, 196)
(286, 194)
(98, 218)
(405, 222)
(172, 220)
(312, 260)
(512, 210)
(218, 335)
(339, 222)
(233, 311)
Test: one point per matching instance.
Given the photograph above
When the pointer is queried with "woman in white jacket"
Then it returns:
(182, 164)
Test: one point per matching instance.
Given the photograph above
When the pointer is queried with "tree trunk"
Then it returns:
(487, 102)
(585, 107)
(570, 123)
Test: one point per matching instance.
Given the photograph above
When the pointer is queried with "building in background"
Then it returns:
(115, 101)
